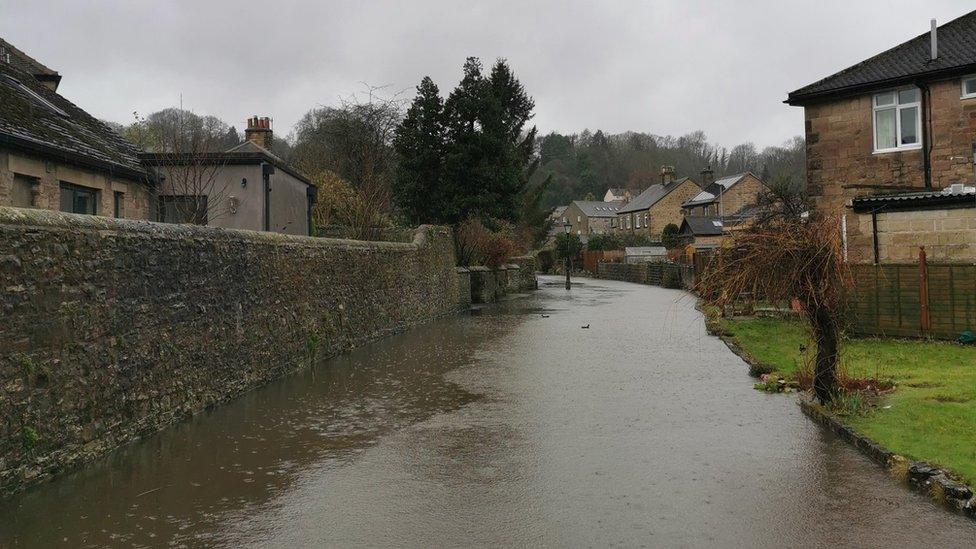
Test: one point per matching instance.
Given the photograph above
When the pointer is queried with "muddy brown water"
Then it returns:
(504, 428)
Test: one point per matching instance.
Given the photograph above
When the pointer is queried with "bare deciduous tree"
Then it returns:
(354, 142)
(185, 150)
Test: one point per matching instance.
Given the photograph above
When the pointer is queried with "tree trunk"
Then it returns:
(825, 371)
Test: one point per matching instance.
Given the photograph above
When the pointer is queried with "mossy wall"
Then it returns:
(112, 329)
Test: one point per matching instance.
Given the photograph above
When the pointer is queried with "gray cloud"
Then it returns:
(662, 67)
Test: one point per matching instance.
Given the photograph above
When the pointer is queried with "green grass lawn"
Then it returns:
(930, 416)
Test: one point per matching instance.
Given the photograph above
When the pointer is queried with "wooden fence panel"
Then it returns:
(888, 300)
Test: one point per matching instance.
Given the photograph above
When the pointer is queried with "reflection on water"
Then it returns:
(503, 428)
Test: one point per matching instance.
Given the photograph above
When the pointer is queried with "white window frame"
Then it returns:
(637, 225)
(898, 108)
(962, 85)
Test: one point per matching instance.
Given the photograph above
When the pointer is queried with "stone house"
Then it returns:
(246, 187)
(658, 206)
(587, 217)
(56, 156)
(616, 194)
(725, 196)
(900, 123)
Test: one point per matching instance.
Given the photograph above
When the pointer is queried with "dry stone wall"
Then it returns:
(112, 329)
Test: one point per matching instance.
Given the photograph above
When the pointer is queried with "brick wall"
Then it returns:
(112, 329)
(840, 148)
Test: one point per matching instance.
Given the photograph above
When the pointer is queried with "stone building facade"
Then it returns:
(900, 123)
(28, 181)
(589, 217)
(655, 208)
(842, 162)
(56, 156)
(726, 196)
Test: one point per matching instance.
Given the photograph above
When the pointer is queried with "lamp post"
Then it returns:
(566, 261)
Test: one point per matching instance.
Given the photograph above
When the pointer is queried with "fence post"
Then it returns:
(923, 291)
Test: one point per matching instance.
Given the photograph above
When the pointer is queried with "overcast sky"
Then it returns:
(664, 67)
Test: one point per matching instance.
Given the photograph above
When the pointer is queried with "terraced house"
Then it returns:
(659, 205)
(56, 156)
(890, 147)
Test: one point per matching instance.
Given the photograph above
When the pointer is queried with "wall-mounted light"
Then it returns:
(243, 182)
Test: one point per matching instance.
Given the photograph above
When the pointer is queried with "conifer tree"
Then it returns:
(419, 143)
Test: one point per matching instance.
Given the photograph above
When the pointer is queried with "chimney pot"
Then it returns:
(935, 40)
(259, 131)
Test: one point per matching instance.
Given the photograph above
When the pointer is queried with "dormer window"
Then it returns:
(897, 120)
(969, 87)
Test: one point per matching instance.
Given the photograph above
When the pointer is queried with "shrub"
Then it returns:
(568, 246)
(671, 278)
(498, 249)
(669, 236)
(604, 242)
(545, 260)
(474, 244)
(470, 242)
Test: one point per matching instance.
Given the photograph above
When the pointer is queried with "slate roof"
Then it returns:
(903, 63)
(598, 209)
(246, 152)
(25, 63)
(701, 226)
(651, 196)
(36, 120)
(964, 196)
(710, 194)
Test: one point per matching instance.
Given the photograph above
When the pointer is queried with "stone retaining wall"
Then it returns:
(112, 329)
(626, 272)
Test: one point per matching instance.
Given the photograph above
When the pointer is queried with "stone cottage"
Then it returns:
(658, 206)
(901, 123)
(56, 156)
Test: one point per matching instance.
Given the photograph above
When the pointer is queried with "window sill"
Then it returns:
(899, 149)
(972, 96)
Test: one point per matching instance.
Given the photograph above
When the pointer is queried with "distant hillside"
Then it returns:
(591, 162)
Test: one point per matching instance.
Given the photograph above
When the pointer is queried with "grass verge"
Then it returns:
(930, 416)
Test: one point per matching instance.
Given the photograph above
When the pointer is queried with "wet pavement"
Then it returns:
(506, 428)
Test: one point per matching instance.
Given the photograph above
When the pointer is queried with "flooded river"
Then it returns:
(506, 428)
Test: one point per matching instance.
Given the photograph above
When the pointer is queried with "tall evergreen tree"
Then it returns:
(419, 144)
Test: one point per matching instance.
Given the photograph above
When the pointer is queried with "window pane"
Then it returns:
(908, 96)
(969, 86)
(909, 126)
(884, 99)
(884, 129)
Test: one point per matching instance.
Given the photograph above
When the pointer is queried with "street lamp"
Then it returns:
(566, 262)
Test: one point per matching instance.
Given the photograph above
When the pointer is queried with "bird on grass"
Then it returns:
(587, 327)
(545, 316)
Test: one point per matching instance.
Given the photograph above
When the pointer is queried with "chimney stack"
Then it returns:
(935, 40)
(667, 174)
(707, 177)
(259, 131)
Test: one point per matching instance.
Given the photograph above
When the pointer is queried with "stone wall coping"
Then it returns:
(478, 269)
(462, 270)
(60, 220)
(511, 266)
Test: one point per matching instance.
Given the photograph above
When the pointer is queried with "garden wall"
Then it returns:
(112, 329)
